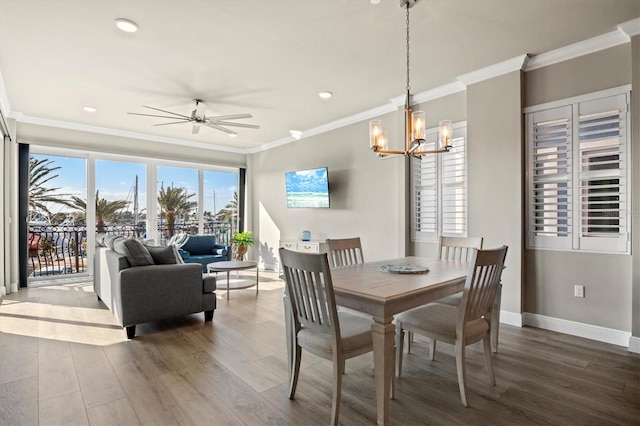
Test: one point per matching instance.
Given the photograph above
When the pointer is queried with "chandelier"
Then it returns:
(414, 122)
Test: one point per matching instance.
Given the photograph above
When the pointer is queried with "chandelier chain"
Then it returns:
(408, 85)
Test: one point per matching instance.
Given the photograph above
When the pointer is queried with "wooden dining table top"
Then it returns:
(365, 287)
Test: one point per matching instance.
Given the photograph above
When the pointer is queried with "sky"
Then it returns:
(115, 181)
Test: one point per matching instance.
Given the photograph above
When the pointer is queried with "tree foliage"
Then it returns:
(175, 203)
(41, 195)
(105, 210)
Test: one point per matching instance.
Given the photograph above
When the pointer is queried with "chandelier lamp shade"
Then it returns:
(415, 128)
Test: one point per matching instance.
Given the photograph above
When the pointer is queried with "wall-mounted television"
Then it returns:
(308, 188)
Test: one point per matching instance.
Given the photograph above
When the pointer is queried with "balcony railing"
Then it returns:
(62, 250)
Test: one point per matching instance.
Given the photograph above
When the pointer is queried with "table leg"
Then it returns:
(383, 332)
(228, 288)
(257, 279)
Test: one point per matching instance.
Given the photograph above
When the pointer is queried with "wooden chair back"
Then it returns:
(345, 252)
(458, 248)
(310, 290)
(481, 285)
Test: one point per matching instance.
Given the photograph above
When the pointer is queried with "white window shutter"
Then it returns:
(454, 187)
(549, 157)
(601, 180)
(425, 194)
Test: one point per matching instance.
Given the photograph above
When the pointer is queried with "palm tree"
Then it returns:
(174, 202)
(229, 214)
(40, 195)
(105, 210)
(229, 211)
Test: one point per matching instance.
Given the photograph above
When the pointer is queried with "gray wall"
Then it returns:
(495, 175)
(551, 275)
(366, 193)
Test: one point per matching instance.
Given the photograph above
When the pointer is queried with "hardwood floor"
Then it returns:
(64, 361)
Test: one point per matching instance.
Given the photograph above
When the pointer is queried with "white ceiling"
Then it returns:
(269, 58)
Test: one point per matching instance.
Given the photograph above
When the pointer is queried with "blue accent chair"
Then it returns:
(203, 249)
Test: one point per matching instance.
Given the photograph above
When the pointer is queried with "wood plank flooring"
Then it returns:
(65, 361)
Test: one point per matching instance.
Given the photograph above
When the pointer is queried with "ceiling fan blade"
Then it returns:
(228, 117)
(201, 107)
(195, 129)
(173, 122)
(228, 123)
(159, 116)
(168, 112)
(222, 129)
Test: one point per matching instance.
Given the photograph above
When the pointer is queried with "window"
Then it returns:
(439, 185)
(578, 174)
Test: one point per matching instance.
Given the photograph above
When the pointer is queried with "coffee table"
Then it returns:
(234, 265)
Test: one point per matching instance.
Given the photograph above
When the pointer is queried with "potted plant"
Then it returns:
(242, 241)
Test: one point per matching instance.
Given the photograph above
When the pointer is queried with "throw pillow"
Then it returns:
(222, 252)
(136, 253)
(109, 240)
(163, 255)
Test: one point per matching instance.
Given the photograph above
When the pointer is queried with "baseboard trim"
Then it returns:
(594, 332)
(634, 344)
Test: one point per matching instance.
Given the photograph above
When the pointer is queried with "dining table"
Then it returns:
(385, 288)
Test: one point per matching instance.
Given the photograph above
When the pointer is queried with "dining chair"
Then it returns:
(458, 248)
(314, 323)
(345, 252)
(453, 248)
(468, 323)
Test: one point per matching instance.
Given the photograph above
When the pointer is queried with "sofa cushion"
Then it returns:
(164, 255)
(109, 240)
(136, 252)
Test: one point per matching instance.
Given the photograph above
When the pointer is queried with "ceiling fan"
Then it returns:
(198, 118)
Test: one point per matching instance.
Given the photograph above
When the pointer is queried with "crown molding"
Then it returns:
(21, 118)
(496, 70)
(631, 28)
(578, 49)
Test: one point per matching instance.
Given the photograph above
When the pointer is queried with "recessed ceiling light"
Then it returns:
(375, 1)
(126, 25)
(296, 134)
(89, 108)
(233, 135)
(325, 95)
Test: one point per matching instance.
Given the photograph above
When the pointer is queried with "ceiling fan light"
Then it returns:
(126, 25)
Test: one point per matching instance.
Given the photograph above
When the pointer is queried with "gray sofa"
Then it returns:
(139, 294)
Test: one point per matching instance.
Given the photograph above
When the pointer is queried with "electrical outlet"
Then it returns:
(578, 290)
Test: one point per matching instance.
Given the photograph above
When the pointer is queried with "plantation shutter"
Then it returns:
(454, 187)
(549, 185)
(425, 193)
(602, 195)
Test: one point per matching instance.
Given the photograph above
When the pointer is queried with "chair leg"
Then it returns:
(295, 370)
(489, 359)
(432, 349)
(131, 331)
(462, 372)
(399, 348)
(495, 319)
(338, 370)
